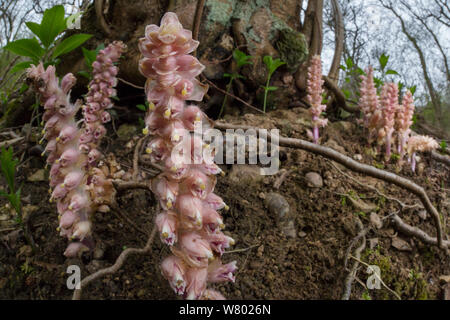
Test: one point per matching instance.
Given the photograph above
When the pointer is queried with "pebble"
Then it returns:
(314, 180)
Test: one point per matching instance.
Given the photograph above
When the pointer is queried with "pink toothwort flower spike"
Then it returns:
(368, 101)
(403, 121)
(314, 89)
(67, 175)
(419, 144)
(99, 94)
(185, 186)
(389, 102)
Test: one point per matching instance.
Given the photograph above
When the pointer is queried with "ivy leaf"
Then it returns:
(26, 47)
(53, 23)
(70, 44)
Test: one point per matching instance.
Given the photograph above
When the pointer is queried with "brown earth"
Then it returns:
(271, 265)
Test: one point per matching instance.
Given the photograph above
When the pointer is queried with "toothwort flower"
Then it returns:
(189, 223)
(419, 144)
(314, 89)
(79, 189)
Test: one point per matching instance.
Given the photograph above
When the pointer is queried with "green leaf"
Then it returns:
(70, 44)
(349, 63)
(443, 145)
(346, 93)
(342, 67)
(14, 199)
(90, 56)
(241, 58)
(23, 88)
(272, 65)
(141, 107)
(26, 47)
(400, 86)
(360, 71)
(21, 66)
(8, 167)
(413, 89)
(383, 61)
(272, 88)
(392, 72)
(53, 23)
(35, 28)
(227, 75)
(85, 74)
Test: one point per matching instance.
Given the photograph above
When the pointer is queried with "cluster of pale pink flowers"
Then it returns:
(77, 186)
(314, 97)
(98, 99)
(419, 144)
(190, 223)
(387, 120)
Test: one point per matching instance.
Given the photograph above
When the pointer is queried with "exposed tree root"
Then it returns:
(116, 266)
(405, 228)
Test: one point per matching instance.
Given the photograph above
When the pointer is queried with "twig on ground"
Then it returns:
(124, 185)
(242, 250)
(131, 84)
(357, 167)
(10, 142)
(281, 178)
(116, 266)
